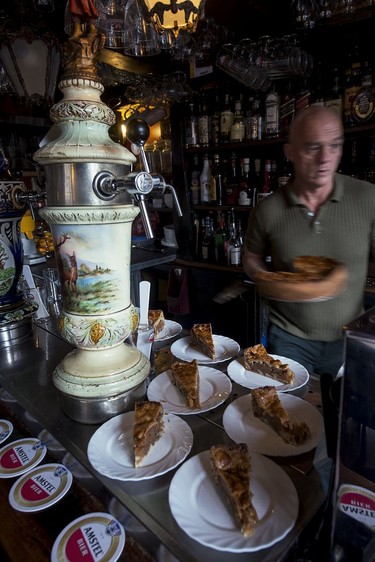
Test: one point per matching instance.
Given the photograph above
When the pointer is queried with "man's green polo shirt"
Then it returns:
(343, 229)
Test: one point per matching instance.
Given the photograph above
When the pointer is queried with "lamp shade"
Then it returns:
(31, 63)
(175, 15)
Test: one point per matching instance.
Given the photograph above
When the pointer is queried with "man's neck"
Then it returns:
(312, 198)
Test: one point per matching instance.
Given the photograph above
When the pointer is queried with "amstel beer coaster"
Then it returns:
(6, 428)
(40, 487)
(20, 456)
(357, 502)
(94, 536)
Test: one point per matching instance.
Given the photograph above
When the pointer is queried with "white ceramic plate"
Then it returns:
(170, 330)
(225, 348)
(201, 510)
(6, 429)
(214, 389)
(249, 379)
(243, 427)
(110, 449)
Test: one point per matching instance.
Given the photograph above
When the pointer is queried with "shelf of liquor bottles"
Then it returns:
(234, 146)
(222, 208)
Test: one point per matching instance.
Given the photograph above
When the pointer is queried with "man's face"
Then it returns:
(316, 151)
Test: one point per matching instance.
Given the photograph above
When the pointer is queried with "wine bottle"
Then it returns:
(191, 129)
(237, 130)
(272, 114)
(226, 119)
(205, 181)
(221, 242)
(216, 182)
(194, 182)
(208, 242)
(203, 123)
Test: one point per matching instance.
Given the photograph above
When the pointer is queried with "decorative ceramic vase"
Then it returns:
(15, 309)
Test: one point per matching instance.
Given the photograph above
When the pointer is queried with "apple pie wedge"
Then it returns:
(257, 360)
(147, 428)
(268, 408)
(231, 468)
(185, 375)
(202, 339)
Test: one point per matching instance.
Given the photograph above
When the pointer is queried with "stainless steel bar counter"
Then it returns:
(26, 373)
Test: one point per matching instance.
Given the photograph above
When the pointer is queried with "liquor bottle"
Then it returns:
(194, 182)
(255, 126)
(217, 182)
(208, 242)
(233, 246)
(245, 196)
(231, 191)
(303, 96)
(226, 118)
(285, 174)
(273, 176)
(205, 181)
(266, 188)
(257, 181)
(287, 110)
(215, 121)
(191, 128)
(272, 114)
(248, 113)
(166, 155)
(199, 240)
(334, 97)
(237, 130)
(240, 235)
(225, 169)
(221, 242)
(203, 123)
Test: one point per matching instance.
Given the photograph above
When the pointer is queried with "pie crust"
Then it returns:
(203, 340)
(257, 360)
(147, 428)
(268, 408)
(313, 278)
(185, 375)
(231, 467)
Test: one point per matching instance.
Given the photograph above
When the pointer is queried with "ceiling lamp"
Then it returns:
(174, 15)
(31, 62)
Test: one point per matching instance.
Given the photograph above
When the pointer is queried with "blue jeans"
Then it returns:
(317, 356)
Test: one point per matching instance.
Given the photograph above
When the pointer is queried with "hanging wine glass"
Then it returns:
(140, 37)
(110, 22)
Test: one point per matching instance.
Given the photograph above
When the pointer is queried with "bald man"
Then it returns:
(319, 213)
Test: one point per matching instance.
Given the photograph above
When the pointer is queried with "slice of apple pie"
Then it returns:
(268, 408)
(231, 468)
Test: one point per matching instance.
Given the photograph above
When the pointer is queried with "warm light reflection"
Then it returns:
(176, 15)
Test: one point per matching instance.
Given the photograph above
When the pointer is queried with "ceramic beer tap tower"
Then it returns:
(90, 216)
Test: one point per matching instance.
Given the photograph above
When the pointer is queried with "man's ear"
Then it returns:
(288, 151)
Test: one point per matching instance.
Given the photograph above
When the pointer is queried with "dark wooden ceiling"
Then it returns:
(244, 18)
